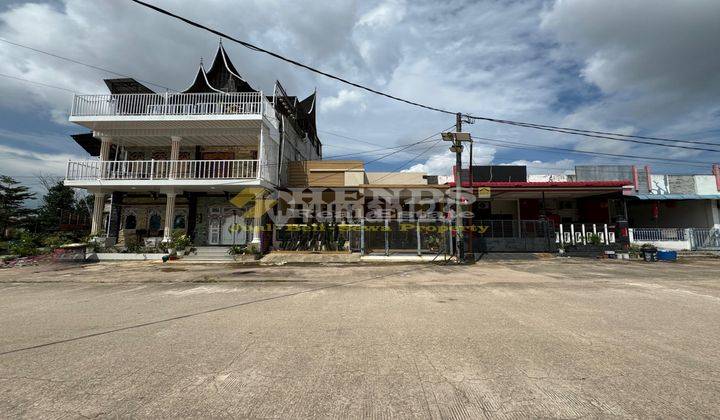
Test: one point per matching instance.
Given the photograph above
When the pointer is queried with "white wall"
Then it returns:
(388, 178)
(705, 184)
(659, 184)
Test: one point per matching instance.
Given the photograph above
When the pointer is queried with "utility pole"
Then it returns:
(458, 185)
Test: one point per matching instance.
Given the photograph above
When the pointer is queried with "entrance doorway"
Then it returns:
(226, 226)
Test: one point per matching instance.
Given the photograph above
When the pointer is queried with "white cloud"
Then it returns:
(345, 97)
(656, 62)
(387, 13)
(442, 163)
(538, 167)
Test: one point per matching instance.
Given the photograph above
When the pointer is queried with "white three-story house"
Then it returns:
(193, 160)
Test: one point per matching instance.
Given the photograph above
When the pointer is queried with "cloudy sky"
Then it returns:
(643, 67)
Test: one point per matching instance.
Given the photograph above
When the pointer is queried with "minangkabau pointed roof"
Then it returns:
(201, 84)
(224, 76)
(306, 109)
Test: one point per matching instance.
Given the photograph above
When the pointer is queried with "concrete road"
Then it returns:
(550, 338)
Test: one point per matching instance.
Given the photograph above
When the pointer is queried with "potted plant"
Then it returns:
(179, 241)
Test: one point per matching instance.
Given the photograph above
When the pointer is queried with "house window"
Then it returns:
(179, 222)
(130, 221)
(154, 222)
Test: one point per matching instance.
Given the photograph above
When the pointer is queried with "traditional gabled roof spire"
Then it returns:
(224, 76)
(200, 84)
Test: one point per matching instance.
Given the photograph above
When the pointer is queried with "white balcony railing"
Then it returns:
(161, 170)
(155, 104)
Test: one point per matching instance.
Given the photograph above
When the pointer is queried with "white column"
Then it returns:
(258, 210)
(169, 216)
(175, 147)
(174, 154)
(260, 153)
(98, 209)
(105, 143)
(715, 213)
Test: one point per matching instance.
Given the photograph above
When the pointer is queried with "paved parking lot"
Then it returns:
(547, 338)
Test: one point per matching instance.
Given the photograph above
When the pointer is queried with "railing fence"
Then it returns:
(139, 104)
(692, 239)
(585, 233)
(161, 169)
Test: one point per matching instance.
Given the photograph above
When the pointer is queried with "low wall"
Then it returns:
(669, 245)
(108, 256)
(480, 245)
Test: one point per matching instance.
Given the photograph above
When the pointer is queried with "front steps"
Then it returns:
(209, 254)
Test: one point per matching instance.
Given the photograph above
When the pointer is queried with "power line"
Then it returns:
(288, 60)
(525, 146)
(410, 160)
(572, 131)
(36, 83)
(350, 138)
(579, 133)
(369, 152)
(577, 130)
(72, 60)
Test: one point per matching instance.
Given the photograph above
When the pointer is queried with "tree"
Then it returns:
(12, 203)
(59, 199)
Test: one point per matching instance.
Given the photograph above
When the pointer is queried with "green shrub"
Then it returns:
(595, 239)
(25, 246)
(236, 250)
(58, 239)
(251, 249)
(180, 240)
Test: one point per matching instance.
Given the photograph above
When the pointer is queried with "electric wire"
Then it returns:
(72, 60)
(572, 131)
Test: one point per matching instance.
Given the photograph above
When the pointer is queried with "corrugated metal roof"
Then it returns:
(676, 196)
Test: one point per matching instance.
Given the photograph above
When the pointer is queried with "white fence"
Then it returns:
(705, 238)
(680, 239)
(585, 233)
(161, 169)
(148, 104)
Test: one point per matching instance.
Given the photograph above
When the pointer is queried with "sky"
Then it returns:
(642, 67)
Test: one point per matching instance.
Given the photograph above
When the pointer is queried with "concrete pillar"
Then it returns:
(174, 154)
(715, 213)
(175, 147)
(648, 174)
(258, 210)
(169, 217)
(105, 143)
(98, 209)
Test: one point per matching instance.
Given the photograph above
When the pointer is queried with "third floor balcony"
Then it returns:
(164, 109)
